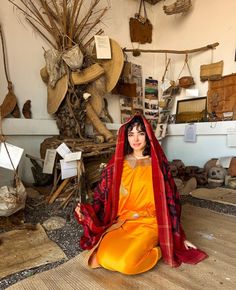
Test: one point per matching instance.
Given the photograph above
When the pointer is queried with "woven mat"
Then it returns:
(25, 249)
(213, 232)
(219, 194)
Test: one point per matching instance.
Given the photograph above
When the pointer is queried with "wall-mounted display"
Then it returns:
(191, 110)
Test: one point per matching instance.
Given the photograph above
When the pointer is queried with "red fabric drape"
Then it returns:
(102, 213)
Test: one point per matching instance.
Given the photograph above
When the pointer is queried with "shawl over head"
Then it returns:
(103, 212)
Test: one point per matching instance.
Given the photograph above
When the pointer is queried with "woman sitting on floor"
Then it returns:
(134, 219)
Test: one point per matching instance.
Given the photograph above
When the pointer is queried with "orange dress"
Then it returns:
(132, 248)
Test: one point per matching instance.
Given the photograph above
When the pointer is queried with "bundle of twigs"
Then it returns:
(63, 22)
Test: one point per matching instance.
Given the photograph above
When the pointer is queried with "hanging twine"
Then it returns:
(185, 64)
(2, 140)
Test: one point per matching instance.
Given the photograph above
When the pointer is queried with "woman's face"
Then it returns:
(137, 139)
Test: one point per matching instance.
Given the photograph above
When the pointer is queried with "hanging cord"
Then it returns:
(185, 64)
(4, 56)
(142, 19)
(2, 140)
(166, 69)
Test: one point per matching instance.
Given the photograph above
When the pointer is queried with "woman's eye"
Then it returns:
(141, 133)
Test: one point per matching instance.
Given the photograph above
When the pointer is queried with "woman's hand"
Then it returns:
(78, 212)
(189, 245)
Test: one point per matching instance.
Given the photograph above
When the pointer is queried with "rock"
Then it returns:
(54, 223)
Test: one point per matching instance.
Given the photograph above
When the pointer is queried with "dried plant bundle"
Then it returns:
(63, 23)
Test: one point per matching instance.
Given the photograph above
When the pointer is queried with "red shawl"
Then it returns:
(103, 212)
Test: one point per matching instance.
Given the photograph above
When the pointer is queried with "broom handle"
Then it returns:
(4, 56)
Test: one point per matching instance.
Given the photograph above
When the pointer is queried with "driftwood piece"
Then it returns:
(58, 191)
(180, 6)
(97, 123)
(186, 51)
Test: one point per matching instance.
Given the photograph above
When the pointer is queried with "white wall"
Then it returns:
(213, 140)
(208, 22)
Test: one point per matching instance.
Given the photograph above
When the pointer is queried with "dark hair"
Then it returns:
(136, 122)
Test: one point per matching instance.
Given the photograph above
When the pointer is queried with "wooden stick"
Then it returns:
(58, 191)
(187, 51)
(55, 182)
(65, 202)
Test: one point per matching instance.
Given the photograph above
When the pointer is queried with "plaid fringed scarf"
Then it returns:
(103, 212)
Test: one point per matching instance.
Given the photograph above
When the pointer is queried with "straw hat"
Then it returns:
(107, 81)
(57, 94)
(87, 75)
(111, 68)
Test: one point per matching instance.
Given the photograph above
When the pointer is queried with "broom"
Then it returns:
(9, 103)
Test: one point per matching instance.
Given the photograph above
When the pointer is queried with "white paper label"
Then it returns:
(103, 48)
(49, 161)
(68, 169)
(63, 150)
(15, 154)
(73, 156)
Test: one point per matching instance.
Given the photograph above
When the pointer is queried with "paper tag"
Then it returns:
(190, 133)
(68, 169)
(231, 140)
(63, 150)
(73, 156)
(103, 48)
(49, 161)
(15, 154)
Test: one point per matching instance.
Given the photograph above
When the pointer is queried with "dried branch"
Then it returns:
(96, 22)
(82, 24)
(60, 19)
(41, 33)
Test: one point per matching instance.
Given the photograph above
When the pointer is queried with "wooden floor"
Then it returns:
(211, 231)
